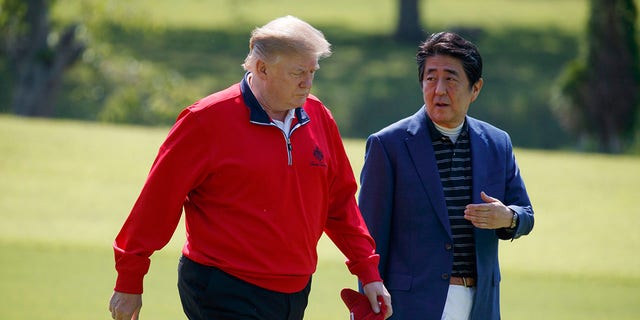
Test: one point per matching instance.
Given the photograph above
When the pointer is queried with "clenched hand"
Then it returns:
(125, 306)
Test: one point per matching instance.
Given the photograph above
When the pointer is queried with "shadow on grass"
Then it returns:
(371, 80)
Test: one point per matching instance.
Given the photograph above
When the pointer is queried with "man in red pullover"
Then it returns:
(261, 172)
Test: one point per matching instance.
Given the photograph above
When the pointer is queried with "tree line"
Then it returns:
(596, 97)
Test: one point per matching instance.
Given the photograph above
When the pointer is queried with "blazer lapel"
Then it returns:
(479, 158)
(420, 149)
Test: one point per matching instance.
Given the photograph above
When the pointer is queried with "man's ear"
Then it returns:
(475, 89)
(261, 69)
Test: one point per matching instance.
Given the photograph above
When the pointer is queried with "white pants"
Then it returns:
(459, 303)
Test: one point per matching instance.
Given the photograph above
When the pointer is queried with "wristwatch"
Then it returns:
(514, 221)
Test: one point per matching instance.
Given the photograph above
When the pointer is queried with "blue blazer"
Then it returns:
(403, 205)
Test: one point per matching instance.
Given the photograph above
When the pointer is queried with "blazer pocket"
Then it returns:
(397, 281)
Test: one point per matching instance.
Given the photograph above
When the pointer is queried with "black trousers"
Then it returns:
(208, 293)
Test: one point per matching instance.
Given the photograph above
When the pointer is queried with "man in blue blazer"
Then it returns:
(438, 191)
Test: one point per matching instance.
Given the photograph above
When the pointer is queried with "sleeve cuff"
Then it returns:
(366, 270)
(129, 283)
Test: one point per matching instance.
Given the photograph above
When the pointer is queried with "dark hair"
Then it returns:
(451, 44)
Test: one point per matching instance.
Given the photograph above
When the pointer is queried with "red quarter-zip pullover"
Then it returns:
(256, 201)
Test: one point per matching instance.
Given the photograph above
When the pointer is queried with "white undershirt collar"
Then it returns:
(452, 133)
(285, 125)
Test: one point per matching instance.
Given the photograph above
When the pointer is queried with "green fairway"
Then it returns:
(66, 188)
(357, 15)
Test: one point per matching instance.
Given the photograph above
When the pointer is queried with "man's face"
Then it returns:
(288, 81)
(446, 90)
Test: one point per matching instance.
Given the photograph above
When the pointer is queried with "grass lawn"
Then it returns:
(66, 187)
(377, 16)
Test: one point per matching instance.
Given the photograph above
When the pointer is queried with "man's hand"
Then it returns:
(489, 215)
(125, 306)
(374, 289)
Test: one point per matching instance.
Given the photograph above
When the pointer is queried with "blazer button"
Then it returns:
(445, 276)
(448, 246)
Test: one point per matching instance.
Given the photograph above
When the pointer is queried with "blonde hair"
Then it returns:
(285, 35)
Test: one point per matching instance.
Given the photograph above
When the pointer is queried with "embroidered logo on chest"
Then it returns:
(319, 158)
